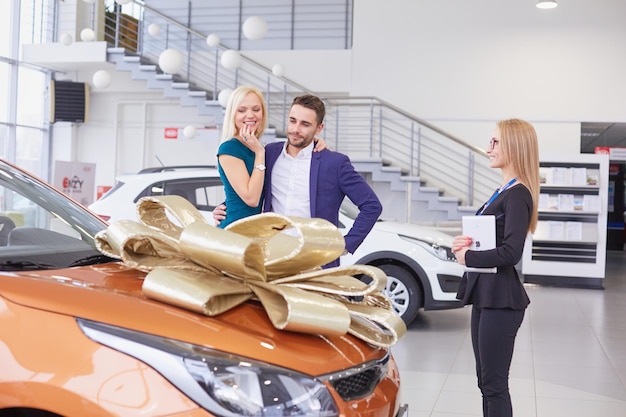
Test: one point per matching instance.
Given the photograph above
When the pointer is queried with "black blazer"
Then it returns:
(512, 208)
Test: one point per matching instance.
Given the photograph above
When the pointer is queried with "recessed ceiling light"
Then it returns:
(546, 4)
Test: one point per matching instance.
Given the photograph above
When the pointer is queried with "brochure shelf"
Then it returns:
(569, 246)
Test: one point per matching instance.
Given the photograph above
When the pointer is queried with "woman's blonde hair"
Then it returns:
(518, 141)
(229, 130)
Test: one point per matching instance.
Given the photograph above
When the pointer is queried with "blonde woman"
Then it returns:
(498, 299)
(241, 156)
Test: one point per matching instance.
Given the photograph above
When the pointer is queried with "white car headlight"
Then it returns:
(224, 384)
(440, 251)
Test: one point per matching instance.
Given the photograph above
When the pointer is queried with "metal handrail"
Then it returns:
(421, 122)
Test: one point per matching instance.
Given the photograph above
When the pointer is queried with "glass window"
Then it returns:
(29, 150)
(5, 28)
(4, 133)
(31, 94)
(36, 21)
(4, 90)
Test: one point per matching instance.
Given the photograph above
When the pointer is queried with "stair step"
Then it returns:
(114, 50)
(468, 209)
(132, 58)
(147, 67)
(366, 160)
(180, 85)
(408, 178)
(164, 77)
(197, 93)
(449, 200)
(391, 169)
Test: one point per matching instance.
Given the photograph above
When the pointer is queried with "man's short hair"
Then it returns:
(312, 102)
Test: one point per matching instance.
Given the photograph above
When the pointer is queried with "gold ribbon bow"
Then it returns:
(210, 270)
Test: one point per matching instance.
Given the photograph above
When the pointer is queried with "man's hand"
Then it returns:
(219, 214)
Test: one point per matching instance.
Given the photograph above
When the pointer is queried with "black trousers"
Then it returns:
(493, 338)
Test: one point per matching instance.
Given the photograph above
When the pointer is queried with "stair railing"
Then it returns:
(362, 127)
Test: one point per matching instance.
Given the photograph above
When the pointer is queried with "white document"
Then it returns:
(566, 202)
(578, 176)
(574, 230)
(556, 230)
(591, 203)
(482, 230)
(559, 176)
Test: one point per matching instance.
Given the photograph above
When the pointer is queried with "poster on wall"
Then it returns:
(76, 179)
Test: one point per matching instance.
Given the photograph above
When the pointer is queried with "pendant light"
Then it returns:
(546, 4)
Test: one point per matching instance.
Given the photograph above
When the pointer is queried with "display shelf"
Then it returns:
(568, 247)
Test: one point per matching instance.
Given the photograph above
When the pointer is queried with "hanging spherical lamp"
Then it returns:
(189, 132)
(154, 29)
(87, 35)
(278, 70)
(66, 39)
(123, 2)
(213, 40)
(101, 79)
(254, 28)
(231, 59)
(223, 96)
(171, 61)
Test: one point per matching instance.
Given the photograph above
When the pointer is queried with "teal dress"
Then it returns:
(236, 208)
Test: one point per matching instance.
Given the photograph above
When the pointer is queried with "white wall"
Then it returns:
(463, 64)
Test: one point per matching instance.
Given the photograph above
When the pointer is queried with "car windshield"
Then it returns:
(42, 229)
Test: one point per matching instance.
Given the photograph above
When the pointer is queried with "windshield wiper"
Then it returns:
(25, 266)
(92, 259)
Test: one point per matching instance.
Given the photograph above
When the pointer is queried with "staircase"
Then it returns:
(405, 198)
(171, 85)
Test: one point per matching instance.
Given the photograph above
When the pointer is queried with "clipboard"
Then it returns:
(482, 230)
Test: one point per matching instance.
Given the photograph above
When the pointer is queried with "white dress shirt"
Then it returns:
(291, 183)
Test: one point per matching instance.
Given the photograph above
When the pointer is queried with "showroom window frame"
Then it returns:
(17, 134)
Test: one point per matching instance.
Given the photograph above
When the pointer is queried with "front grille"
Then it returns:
(355, 383)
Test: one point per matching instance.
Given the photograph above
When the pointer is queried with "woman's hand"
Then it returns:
(320, 145)
(460, 246)
(249, 139)
(219, 214)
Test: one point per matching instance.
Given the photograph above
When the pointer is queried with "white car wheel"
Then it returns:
(403, 291)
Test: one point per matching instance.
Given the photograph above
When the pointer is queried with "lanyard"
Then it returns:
(496, 194)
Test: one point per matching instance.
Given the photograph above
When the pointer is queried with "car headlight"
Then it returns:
(440, 251)
(224, 384)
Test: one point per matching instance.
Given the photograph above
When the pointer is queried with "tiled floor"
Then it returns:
(569, 360)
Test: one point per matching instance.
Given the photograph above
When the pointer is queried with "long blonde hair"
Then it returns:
(229, 130)
(518, 141)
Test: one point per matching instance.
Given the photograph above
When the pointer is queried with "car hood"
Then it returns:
(111, 294)
(427, 234)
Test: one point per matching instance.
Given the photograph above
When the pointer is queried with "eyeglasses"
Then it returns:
(493, 142)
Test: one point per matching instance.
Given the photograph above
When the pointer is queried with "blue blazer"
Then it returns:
(332, 179)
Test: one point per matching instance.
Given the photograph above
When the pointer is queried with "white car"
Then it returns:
(421, 269)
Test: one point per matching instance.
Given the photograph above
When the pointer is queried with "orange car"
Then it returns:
(79, 338)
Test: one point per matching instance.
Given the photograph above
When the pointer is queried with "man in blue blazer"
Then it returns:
(331, 175)
(300, 182)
